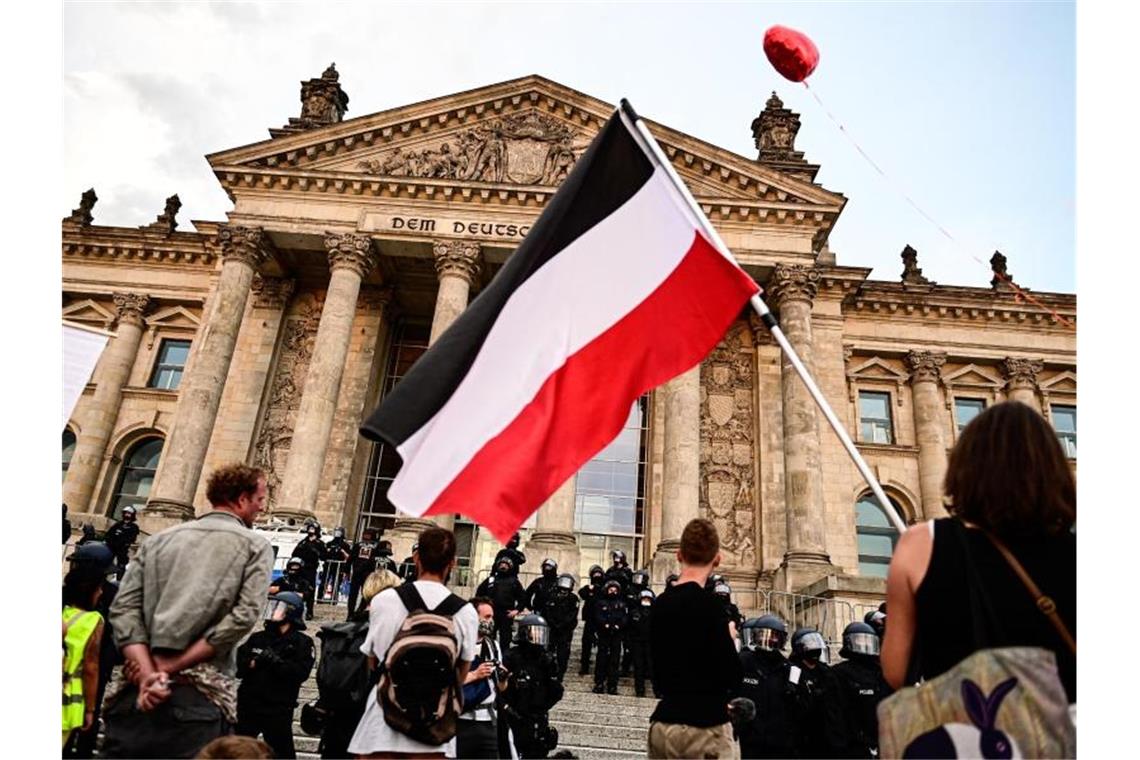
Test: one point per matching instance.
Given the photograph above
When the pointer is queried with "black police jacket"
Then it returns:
(296, 583)
(362, 557)
(863, 687)
(819, 728)
(622, 575)
(533, 687)
(311, 553)
(337, 550)
(640, 621)
(119, 538)
(765, 682)
(505, 593)
(560, 611)
(589, 595)
(610, 615)
(272, 668)
(537, 592)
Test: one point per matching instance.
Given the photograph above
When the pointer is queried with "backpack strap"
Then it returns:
(451, 605)
(411, 598)
(1044, 603)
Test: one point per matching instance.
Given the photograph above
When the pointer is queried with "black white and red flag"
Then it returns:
(614, 291)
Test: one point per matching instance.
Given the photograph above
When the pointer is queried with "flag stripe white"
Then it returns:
(81, 351)
(613, 267)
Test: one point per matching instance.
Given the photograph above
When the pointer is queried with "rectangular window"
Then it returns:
(875, 417)
(966, 409)
(172, 355)
(1065, 423)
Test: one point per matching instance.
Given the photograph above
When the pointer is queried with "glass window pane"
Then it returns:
(875, 535)
(137, 475)
(873, 569)
(874, 405)
(875, 417)
(966, 409)
(1064, 418)
(175, 352)
(877, 546)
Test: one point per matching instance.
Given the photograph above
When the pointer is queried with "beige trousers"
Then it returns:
(676, 740)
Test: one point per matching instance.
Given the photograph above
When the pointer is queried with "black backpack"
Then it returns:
(419, 689)
(342, 674)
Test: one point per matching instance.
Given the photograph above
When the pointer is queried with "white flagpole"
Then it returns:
(636, 123)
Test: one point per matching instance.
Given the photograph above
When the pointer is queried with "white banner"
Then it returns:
(81, 350)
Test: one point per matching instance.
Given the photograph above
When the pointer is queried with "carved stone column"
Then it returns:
(351, 258)
(1021, 380)
(554, 532)
(680, 498)
(243, 251)
(457, 263)
(929, 427)
(99, 419)
(792, 289)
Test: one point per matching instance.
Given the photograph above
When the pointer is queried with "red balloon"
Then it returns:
(790, 52)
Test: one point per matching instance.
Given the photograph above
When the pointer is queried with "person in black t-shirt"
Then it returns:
(695, 665)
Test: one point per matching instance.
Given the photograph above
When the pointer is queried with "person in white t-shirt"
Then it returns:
(434, 560)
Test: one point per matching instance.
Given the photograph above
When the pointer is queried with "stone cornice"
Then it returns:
(966, 304)
(119, 243)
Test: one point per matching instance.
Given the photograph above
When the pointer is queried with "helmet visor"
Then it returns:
(566, 582)
(863, 643)
(812, 641)
(276, 610)
(535, 634)
(762, 638)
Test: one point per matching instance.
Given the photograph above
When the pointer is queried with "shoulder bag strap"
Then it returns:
(450, 605)
(1044, 603)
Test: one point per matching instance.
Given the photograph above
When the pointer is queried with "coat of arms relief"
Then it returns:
(527, 149)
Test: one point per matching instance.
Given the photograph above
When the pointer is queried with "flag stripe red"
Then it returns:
(552, 437)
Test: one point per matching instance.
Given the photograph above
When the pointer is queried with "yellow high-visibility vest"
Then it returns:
(81, 624)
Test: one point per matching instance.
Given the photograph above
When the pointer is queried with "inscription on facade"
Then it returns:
(447, 226)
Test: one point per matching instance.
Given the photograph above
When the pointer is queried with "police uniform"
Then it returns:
(362, 561)
(819, 728)
(310, 551)
(560, 610)
(538, 590)
(589, 594)
(640, 622)
(272, 666)
(863, 687)
(120, 537)
(766, 683)
(506, 594)
(532, 689)
(610, 618)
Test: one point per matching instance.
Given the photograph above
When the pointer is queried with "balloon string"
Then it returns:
(1003, 277)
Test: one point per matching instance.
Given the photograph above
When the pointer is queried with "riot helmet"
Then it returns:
(532, 629)
(671, 580)
(565, 582)
(767, 633)
(612, 589)
(713, 580)
(808, 644)
(641, 579)
(294, 566)
(338, 532)
(549, 568)
(286, 606)
(384, 549)
(129, 513)
(504, 566)
(618, 557)
(645, 597)
(859, 638)
(723, 590)
(368, 534)
(597, 574)
(877, 620)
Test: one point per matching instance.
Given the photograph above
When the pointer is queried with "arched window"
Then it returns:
(68, 450)
(876, 536)
(137, 475)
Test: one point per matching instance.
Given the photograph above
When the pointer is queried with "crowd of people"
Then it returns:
(191, 649)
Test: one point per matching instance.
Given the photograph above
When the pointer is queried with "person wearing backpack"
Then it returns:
(425, 639)
(272, 664)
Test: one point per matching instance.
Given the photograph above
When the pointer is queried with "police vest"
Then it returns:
(80, 625)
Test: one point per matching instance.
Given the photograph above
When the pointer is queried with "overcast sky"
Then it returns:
(969, 108)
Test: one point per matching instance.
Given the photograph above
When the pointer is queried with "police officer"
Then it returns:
(610, 618)
(713, 580)
(731, 612)
(542, 586)
(532, 689)
(506, 595)
(337, 553)
(87, 535)
(818, 725)
(862, 684)
(362, 561)
(311, 551)
(640, 620)
(512, 550)
(407, 569)
(766, 682)
(120, 537)
(293, 580)
(877, 619)
(560, 610)
(589, 594)
(619, 571)
(272, 665)
(638, 583)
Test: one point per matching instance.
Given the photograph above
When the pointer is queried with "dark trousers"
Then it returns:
(609, 660)
(589, 636)
(276, 726)
(560, 643)
(177, 728)
(626, 652)
(309, 596)
(477, 739)
(527, 731)
(354, 587)
(641, 667)
(339, 727)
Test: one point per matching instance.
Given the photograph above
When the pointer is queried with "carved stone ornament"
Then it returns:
(1002, 277)
(794, 282)
(458, 258)
(82, 215)
(271, 292)
(761, 335)
(248, 245)
(925, 366)
(1021, 373)
(271, 451)
(166, 221)
(130, 307)
(774, 132)
(727, 448)
(911, 274)
(351, 251)
(374, 298)
(527, 149)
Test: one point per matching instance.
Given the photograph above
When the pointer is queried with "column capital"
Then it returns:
(246, 245)
(761, 335)
(793, 282)
(374, 298)
(271, 292)
(130, 307)
(458, 258)
(1020, 373)
(351, 251)
(925, 365)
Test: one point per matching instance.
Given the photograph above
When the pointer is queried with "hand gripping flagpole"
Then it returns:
(636, 124)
